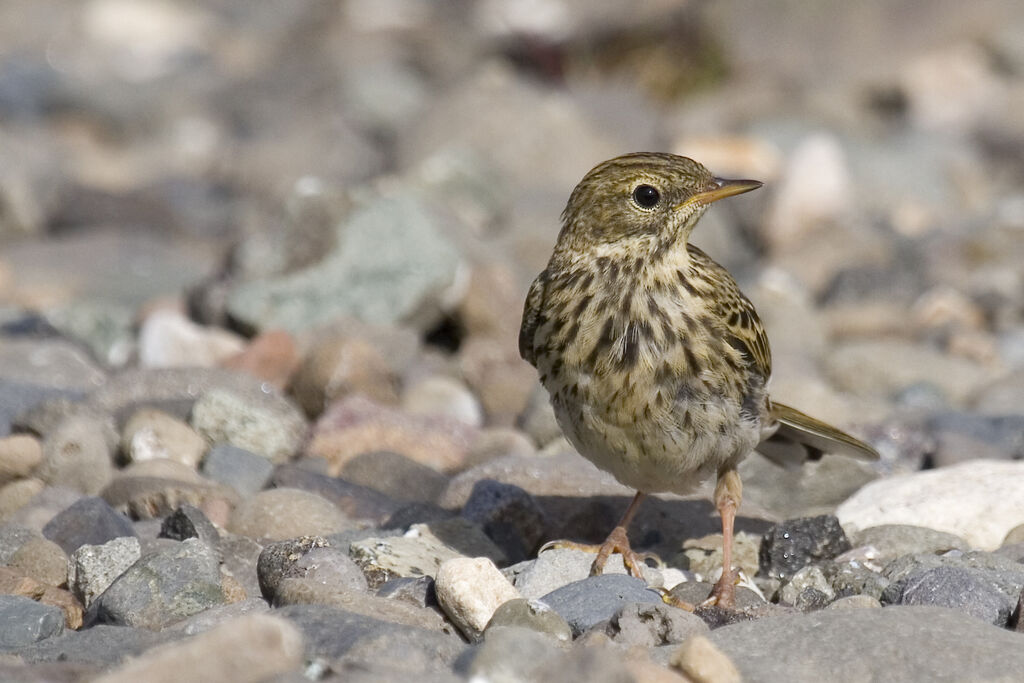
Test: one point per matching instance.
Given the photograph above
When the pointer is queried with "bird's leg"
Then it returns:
(617, 542)
(728, 494)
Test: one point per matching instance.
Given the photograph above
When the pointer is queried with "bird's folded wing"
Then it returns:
(799, 437)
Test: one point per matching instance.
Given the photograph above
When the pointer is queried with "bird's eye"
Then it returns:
(646, 197)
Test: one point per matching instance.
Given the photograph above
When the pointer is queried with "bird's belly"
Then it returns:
(672, 450)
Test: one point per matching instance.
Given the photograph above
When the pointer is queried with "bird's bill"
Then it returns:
(720, 188)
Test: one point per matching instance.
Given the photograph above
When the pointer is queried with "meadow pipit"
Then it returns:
(656, 363)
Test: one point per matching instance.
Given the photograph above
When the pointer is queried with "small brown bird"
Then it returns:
(656, 363)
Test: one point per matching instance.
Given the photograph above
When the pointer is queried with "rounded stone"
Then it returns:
(19, 455)
(272, 429)
(153, 434)
(283, 513)
(43, 560)
(77, 454)
(469, 590)
(531, 614)
(440, 395)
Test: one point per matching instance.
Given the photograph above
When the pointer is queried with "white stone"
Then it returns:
(92, 568)
(469, 590)
(439, 395)
(152, 434)
(168, 339)
(979, 500)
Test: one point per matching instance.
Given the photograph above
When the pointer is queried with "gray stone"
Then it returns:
(647, 625)
(891, 644)
(189, 521)
(282, 513)
(162, 588)
(92, 568)
(277, 558)
(846, 579)
(855, 602)
(347, 637)
(89, 521)
(696, 592)
(1002, 573)
(274, 430)
(50, 366)
(391, 263)
(511, 653)
(41, 560)
(27, 621)
(42, 504)
(591, 601)
(417, 591)
(893, 540)
(242, 470)
(17, 398)
(953, 587)
(559, 567)
(396, 476)
(795, 543)
(78, 454)
(215, 616)
(809, 578)
(101, 645)
(357, 502)
(531, 614)
(509, 515)
(966, 436)
(12, 537)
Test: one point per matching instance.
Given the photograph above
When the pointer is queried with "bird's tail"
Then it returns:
(799, 437)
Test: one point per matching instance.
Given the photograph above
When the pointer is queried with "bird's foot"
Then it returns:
(669, 599)
(617, 542)
(723, 593)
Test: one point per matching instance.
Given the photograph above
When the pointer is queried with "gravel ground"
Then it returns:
(262, 414)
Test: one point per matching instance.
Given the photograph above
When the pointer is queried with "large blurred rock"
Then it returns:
(392, 263)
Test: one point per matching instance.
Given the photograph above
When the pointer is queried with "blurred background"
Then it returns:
(367, 187)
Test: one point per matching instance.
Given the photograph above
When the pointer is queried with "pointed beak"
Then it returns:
(720, 188)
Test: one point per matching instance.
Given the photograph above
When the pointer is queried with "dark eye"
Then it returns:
(646, 196)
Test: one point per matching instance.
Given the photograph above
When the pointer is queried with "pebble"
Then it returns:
(962, 588)
(976, 501)
(511, 653)
(151, 434)
(92, 568)
(559, 567)
(791, 545)
(43, 560)
(800, 591)
(89, 521)
(355, 501)
(441, 395)
(16, 495)
(306, 556)
(395, 475)
(855, 602)
(469, 590)
(27, 621)
(274, 430)
(242, 470)
(593, 600)
(168, 339)
(162, 588)
(271, 356)
(337, 366)
(422, 550)
(530, 614)
(646, 624)
(703, 662)
(190, 522)
(508, 515)
(415, 591)
(704, 555)
(102, 646)
(20, 454)
(282, 513)
(78, 454)
(253, 647)
(890, 541)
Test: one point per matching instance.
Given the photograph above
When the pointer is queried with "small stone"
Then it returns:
(92, 568)
(189, 521)
(703, 662)
(276, 558)
(247, 649)
(337, 366)
(418, 591)
(167, 339)
(89, 521)
(795, 543)
(202, 622)
(356, 502)
(27, 621)
(145, 496)
(242, 470)
(530, 614)
(538, 418)
(270, 356)
(43, 560)
(20, 454)
(78, 454)
(809, 578)
(855, 602)
(893, 540)
(559, 567)
(596, 599)
(852, 578)
(12, 582)
(955, 588)
(150, 434)
(162, 588)
(1014, 535)
(494, 370)
(704, 555)
(696, 592)
(509, 516)
(282, 513)
(441, 395)
(274, 430)
(421, 550)
(16, 494)
(513, 653)
(396, 476)
(469, 590)
(648, 625)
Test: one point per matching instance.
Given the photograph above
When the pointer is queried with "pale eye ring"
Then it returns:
(646, 196)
